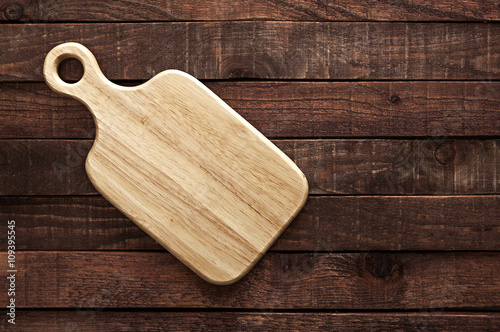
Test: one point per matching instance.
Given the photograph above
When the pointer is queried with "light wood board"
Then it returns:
(185, 167)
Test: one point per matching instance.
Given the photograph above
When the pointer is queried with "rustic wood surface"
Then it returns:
(265, 50)
(390, 108)
(290, 109)
(278, 281)
(92, 320)
(434, 166)
(325, 224)
(207, 10)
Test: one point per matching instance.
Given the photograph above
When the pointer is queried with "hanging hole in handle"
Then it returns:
(70, 70)
(92, 75)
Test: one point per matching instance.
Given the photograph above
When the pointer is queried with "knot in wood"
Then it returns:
(243, 73)
(380, 265)
(248, 68)
(13, 11)
(445, 153)
(394, 99)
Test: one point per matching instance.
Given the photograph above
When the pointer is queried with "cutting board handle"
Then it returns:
(92, 78)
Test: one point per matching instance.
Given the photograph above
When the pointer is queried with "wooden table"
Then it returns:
(391, 110)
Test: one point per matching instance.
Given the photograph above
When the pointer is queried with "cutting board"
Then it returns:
(184, 166)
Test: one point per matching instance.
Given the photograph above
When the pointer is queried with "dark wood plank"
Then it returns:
(335, 166)
(278, 281)
(206, 10)
(267, 50)
(345, 223)
(290, 109)
(95, 320)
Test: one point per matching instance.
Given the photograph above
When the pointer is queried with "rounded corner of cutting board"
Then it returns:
(225, 281)
(305, 191)
(257, 258)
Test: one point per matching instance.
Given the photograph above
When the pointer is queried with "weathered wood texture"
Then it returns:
(97, 320)
(279, 281)
(206, 10)
(267, 50)
(345, 223)
(398, 108)
(340, 166)
(290, 109)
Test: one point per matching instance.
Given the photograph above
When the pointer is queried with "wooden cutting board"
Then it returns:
(185, 167)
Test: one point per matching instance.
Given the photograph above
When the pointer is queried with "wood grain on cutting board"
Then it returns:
(185, 167)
